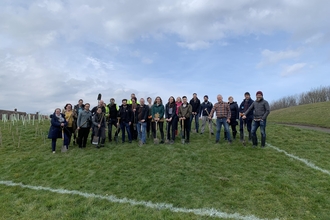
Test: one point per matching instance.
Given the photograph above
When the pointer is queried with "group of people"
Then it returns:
(142, 119)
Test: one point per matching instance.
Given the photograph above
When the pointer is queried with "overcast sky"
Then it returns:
(54, 52)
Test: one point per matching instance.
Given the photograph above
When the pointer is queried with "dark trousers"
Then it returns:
(125, 126)
(186, 130)
(171, 127)
(66, 143)
(148, 126)
(112, 122)
(196, 121)
(69, 131)
(248, 122)
(161, 128)
(134, 132)
(83, 136)
(233, 123)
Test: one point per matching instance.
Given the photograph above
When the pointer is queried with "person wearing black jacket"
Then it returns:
(99, 126)
(134, 104)
(195, 104)
(141, 114)
(93, 111)
(246, 103)
(234, 116)
(113, 120)
(170, 117)
(206, 108)
(125, 115)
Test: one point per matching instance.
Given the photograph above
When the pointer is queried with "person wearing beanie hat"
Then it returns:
(246, 103)
(206, 108)
(261, 111)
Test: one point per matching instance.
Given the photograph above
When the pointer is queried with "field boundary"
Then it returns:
(209, 212)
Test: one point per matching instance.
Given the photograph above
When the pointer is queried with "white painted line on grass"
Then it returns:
(210, 212)
(309, 164)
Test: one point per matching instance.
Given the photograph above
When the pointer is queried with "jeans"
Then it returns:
(255, 126)
(141, 128)
(192, 117)
(220, 122)
(123, 126)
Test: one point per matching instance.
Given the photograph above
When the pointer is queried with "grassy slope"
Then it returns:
(317, 114)
(260, 182)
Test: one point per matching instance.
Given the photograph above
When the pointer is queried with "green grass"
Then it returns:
(316, 114)
(230, 178)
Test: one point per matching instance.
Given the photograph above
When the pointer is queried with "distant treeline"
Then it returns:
(321, 94)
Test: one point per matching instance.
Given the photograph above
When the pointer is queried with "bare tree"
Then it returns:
(320, 94)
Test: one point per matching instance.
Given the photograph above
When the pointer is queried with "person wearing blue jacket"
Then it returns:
(56, 130)
(245, 105)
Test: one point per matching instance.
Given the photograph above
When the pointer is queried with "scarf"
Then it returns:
(59, 118)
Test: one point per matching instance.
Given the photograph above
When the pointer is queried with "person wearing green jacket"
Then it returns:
(157, 113)
(185, 111)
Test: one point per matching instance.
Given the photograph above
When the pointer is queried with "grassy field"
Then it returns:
(257, 182)
(317, 114)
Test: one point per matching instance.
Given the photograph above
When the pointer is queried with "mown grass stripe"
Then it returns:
(305, 161)
(210, 212)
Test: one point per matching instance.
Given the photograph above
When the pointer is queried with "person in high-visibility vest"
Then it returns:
(129, 102)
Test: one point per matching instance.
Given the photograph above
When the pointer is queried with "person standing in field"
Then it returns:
(94, 110)
(261, 111)
(157, 112)
(170, 115)
(56, 130)
(149, 116)
(71, 118)
(195, 104)
(134, 104)
(223, 113)
(234, 116)
(78, 108)
(125, 116)
(246, 103)
(113, 114)
(99, 122)
(185, 112)
(178, 103)
(206, 108)
(142, 112)
(84, 124)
